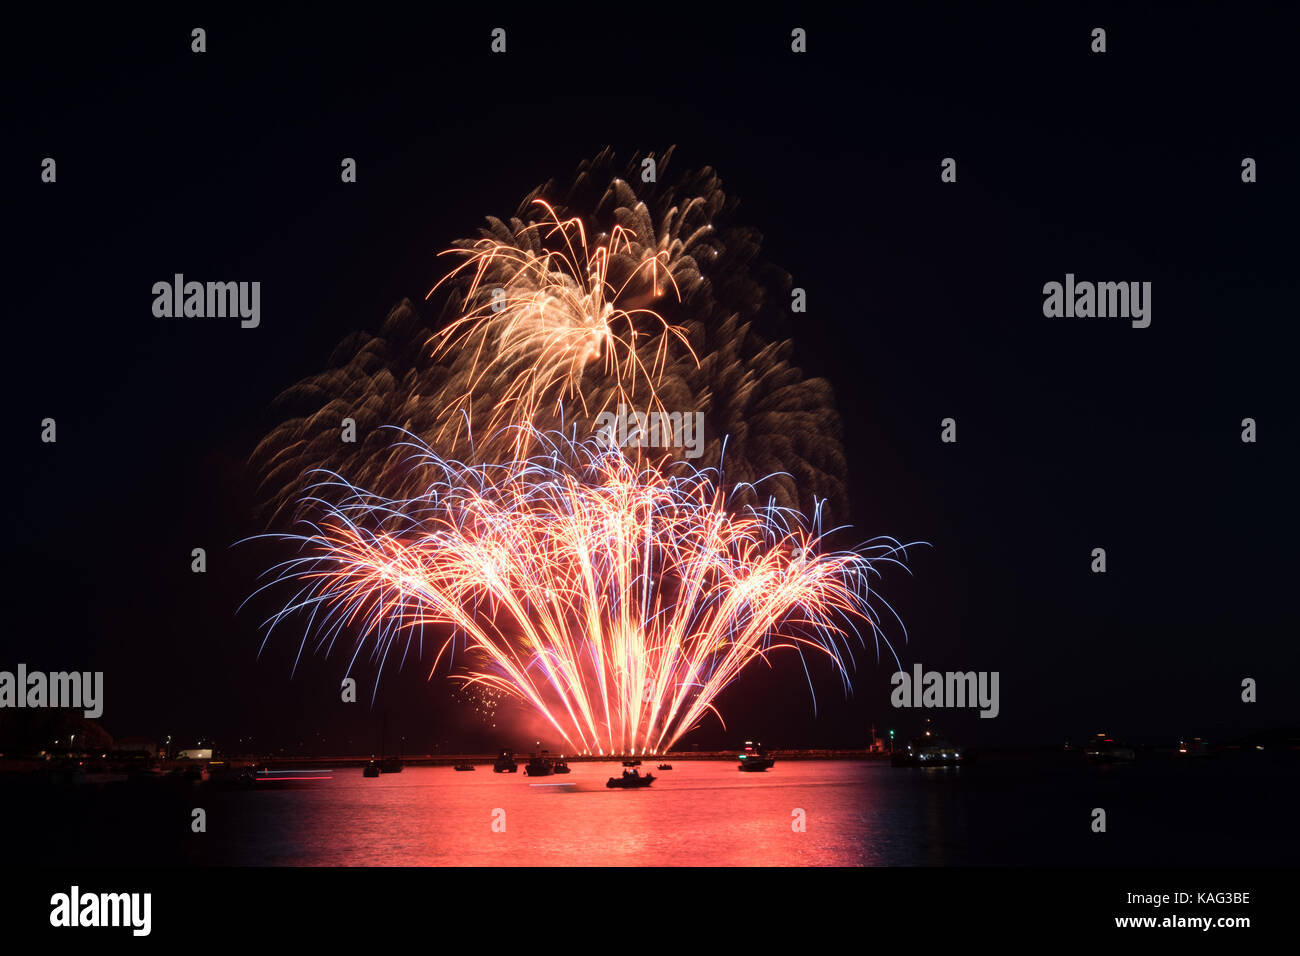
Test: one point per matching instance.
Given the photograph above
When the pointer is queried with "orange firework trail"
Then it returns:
(538, 317)
(616, 601)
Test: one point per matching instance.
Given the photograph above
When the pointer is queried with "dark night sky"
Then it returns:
(924, 302)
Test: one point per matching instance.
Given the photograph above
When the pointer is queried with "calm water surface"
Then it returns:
(709, 814)
(700, 812)
(1017, 812)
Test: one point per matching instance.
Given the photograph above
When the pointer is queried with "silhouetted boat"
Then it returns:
(930, 750)
(540, 766)
(665, 766)
(464, 766)
(386, 764)
(630, 780)
(631, 763)
(371, 770)
(505, 763)
(560, 767)
(755, 758)
(1103, 749)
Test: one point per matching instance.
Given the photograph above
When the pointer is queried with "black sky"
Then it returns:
(924, 302)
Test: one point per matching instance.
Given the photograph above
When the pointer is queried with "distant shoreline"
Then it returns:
(286, 761)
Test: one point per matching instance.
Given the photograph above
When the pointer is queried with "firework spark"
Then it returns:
(617, 601)
(613, 291)
(542, 317)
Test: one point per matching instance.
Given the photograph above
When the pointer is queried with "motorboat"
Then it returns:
(539, 766)
(505, 763)
(630, 781)
(1103, 749)
(930, 750)
(755, 758)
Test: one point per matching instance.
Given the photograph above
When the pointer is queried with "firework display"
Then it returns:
(607, 291)
(615, 600)
(614, 586)
(543, 315)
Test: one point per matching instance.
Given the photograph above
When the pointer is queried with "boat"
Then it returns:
(930, 750)
(560, 766)
(1103, 749)
(464, 766)
(386, 764)
(631, 763)
(1195, 747)
(665, 766)
(539, 766)
(505, 763)
(755, 758)
(371, 770)
(630, 781)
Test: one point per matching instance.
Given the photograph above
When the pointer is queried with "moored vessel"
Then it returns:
(505, 763)
(930, 750)
(540, 766)
(755, 758)
(630, 780)
(1103, 749)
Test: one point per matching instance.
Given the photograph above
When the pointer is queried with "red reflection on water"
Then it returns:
(702, 813)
